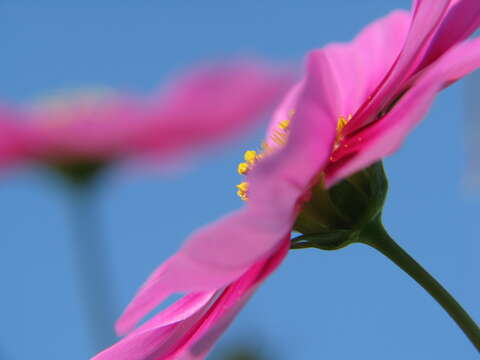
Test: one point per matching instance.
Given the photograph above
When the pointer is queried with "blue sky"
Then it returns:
(319, 305)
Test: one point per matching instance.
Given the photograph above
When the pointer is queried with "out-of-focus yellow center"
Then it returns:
(278, 139)
(63, 108)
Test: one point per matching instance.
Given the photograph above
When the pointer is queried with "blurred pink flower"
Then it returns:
(205, 105)
(355, 105)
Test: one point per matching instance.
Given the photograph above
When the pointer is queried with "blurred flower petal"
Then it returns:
(209, 104)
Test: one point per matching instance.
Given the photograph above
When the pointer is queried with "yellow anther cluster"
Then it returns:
(342, 122)
(279, 137)
(284, 124)
(250, 156)
(242, 168)
(242, 190)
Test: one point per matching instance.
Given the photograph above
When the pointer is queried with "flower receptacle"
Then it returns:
(79, 172)
(333, 218)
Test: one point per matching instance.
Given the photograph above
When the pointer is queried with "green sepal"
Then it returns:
(333, 240)
(332, 217)
(349, 201)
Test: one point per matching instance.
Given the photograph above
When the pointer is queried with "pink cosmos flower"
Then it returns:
(355, 105)
(202, 106)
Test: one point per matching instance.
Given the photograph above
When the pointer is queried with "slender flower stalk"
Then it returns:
(377, 237)
(90, 259)
(360, 199)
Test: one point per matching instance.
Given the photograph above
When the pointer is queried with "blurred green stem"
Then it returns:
(376, 236)
(91, 266)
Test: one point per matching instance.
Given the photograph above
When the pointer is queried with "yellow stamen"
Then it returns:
(242, 195)
(341, 123)
(242, 168)
(284, 124)
(279, 136)
(243, 186)
(277, 139)
(250, 156)
(242, 190)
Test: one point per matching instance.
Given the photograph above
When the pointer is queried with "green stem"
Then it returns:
(376, 236)
(90, 257)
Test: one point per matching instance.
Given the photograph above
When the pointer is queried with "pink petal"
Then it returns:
(235, 297)
(385, 136)
(226, 311)
(157, 338)
(462, 19)
(211, 103)
(283, 112)
(11, 139)
(151, 294)
(85, 126)
(280, 180)
(191, 326)
(361, 65)
(221, 252)
(276, 184)
(427, 17)
(180, 310)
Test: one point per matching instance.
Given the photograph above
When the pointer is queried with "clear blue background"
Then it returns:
(318, 305)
